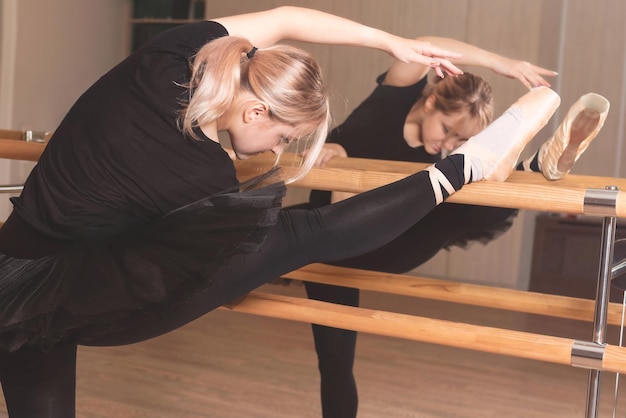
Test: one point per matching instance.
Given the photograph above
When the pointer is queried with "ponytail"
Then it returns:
(287, 79)
(215, 82)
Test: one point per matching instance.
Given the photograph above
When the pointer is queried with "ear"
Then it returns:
(255, 110)
(429, 104)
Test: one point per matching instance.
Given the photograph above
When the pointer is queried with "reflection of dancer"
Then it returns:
(407, 118)
(133, 222)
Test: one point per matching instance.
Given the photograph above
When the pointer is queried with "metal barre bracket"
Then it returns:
(587, 355)
(601, 202)
(35, 136)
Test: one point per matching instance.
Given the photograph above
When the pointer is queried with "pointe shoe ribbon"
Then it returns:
(579, 127)
(498, 147)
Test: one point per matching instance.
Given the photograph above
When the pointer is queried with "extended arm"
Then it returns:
(306, 25)
(404, 74)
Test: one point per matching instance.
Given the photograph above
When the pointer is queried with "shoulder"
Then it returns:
(190, 36)
(394, 93)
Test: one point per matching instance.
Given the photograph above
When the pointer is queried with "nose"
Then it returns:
(448, 144)
(438, 139)
(451, 144)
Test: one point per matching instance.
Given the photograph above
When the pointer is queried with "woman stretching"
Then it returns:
(133, 223)
(410, 118)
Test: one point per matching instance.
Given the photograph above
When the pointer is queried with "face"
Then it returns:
(442, 132)
(252, 131)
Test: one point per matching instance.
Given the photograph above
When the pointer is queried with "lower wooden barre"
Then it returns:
(522, 190)
(13, 145)
(11, 134)
(21, 150)
(434, 331)
(449, 291)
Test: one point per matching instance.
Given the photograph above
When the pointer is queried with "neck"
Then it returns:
(412, 126)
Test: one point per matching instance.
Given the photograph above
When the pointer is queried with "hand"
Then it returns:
(528, 74)
(328, 152)
(411, 50)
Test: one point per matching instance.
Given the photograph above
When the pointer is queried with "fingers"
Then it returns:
(328, 152)
(444, 67)
(532, 76)
(441, 67)
(411, 50)
(325, 159)
(324, 156)
(531, 81)
(438, 59)
(539, 72)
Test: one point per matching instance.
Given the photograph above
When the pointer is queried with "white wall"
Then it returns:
(51, 52)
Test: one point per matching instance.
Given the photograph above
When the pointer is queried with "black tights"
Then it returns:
(300, 237)
(39, 384)
(335, 350)
(445, 225)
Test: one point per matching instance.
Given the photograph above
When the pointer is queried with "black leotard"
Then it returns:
(375, 129)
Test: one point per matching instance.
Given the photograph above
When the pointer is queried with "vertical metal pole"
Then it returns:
(602, 301)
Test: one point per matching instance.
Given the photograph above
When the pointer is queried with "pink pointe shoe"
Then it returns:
(579, 127)
(494, 152)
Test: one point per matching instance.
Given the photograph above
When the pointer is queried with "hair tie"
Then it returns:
(251, 53)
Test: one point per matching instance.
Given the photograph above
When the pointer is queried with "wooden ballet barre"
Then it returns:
(10, 134)
(522, 190)
(454, 292)
(13, 146)
(434, 331)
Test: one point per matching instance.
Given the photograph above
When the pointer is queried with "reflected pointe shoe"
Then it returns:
(494, 152)
(579, 127)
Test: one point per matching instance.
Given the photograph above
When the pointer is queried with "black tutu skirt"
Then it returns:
(47, 300)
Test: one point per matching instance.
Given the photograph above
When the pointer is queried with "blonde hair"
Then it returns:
(287, 79)
(463, 93)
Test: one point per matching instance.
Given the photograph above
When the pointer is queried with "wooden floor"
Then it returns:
(235, 365)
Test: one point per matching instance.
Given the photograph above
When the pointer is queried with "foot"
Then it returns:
(493, 153)
(580, 126)
(583, 125)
